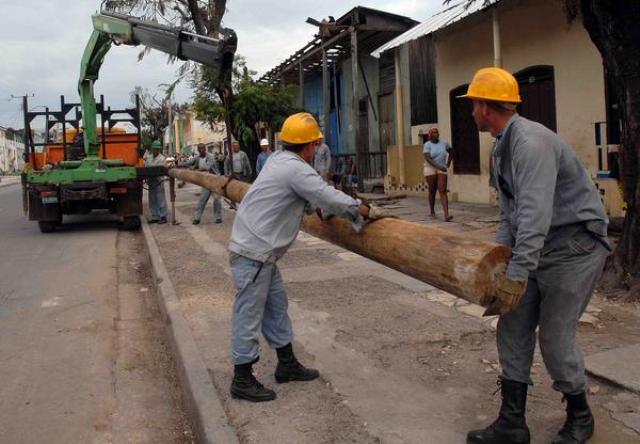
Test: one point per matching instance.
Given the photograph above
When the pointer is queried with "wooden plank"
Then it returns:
(461, 265)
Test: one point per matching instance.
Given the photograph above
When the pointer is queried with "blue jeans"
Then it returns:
(202, 203)
(157, 199)
(260, 306)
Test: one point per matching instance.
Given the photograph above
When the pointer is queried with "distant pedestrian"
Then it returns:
(157, 198)
(264, 155)
(438, 156)
(206, 162)
(238, 164)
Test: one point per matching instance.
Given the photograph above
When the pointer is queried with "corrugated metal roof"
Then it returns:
(441, 20)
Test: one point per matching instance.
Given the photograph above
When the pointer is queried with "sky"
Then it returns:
(41, 44)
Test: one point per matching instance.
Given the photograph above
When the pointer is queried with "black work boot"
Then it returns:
(510, 427)
(289, 369)
(578, 427)
(246, 386)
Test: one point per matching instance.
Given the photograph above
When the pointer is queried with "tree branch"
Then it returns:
(182, 13)
(197, 17)
(217, 8)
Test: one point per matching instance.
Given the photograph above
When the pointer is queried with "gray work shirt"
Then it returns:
(269, 217)
(322, 159)
(206, 163)
(238, 163)
(150, 161)
(546, 194)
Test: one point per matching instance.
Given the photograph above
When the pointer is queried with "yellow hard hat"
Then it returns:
(493, 84)
(300, 128)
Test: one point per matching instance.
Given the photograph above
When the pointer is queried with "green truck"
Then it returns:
(100, 167)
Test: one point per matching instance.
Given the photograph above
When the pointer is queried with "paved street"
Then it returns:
(400, 361)
(83, 357)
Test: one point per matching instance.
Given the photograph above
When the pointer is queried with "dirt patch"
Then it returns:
(149, 405)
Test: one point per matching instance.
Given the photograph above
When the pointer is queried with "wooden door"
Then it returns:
(387, 127)
(464, 134)
(362, 138)
(537, 91)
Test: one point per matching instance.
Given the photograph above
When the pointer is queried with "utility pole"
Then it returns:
(26, 137)
(172, 148)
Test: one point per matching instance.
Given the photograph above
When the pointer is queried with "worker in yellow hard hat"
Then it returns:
(265, 226)
(554, 221)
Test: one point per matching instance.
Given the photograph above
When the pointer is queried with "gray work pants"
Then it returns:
(205, 193)
(260, 306)
(157, 199)
(557, 294)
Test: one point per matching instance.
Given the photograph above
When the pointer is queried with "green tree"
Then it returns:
(613, 28)
(254, 104)
(154, 117)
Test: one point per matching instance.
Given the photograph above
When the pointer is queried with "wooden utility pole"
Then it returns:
(461, 265)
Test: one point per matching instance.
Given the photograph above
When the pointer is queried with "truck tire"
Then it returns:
(131, 223)
(47, 226)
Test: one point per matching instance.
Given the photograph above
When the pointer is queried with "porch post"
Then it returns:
(301, 85)
(355, 122)
(497, 47)
(399, 117)
(326, 93)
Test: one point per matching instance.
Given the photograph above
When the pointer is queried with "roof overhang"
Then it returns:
(374, 28)
(443, 19)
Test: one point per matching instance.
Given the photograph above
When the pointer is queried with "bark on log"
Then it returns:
(458, 264)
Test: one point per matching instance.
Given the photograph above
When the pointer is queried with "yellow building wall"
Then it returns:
(414, 180)
(534, 32)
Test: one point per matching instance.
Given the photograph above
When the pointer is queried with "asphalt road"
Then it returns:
(70, 317)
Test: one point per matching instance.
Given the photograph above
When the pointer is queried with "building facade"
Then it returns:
(11, 150)
(186, 132)
(562, 83)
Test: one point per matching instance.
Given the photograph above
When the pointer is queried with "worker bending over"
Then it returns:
(265, 226)
(157, 197)
(206, 162)
(552, 217)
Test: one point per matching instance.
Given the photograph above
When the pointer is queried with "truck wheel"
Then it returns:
(131, 223)
(47, 226)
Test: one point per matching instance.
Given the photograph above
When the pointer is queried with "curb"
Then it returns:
(3, 184)
(210, 421)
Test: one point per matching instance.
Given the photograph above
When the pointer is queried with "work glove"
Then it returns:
(508, 293)
(308, 209)
(376, 212)
(356, 224)
(323, 214)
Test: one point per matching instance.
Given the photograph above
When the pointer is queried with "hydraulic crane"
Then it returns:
(95, 180)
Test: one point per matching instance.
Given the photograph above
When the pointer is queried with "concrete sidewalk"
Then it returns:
(400, 361)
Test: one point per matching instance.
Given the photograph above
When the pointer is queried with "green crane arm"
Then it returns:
(122, 29)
